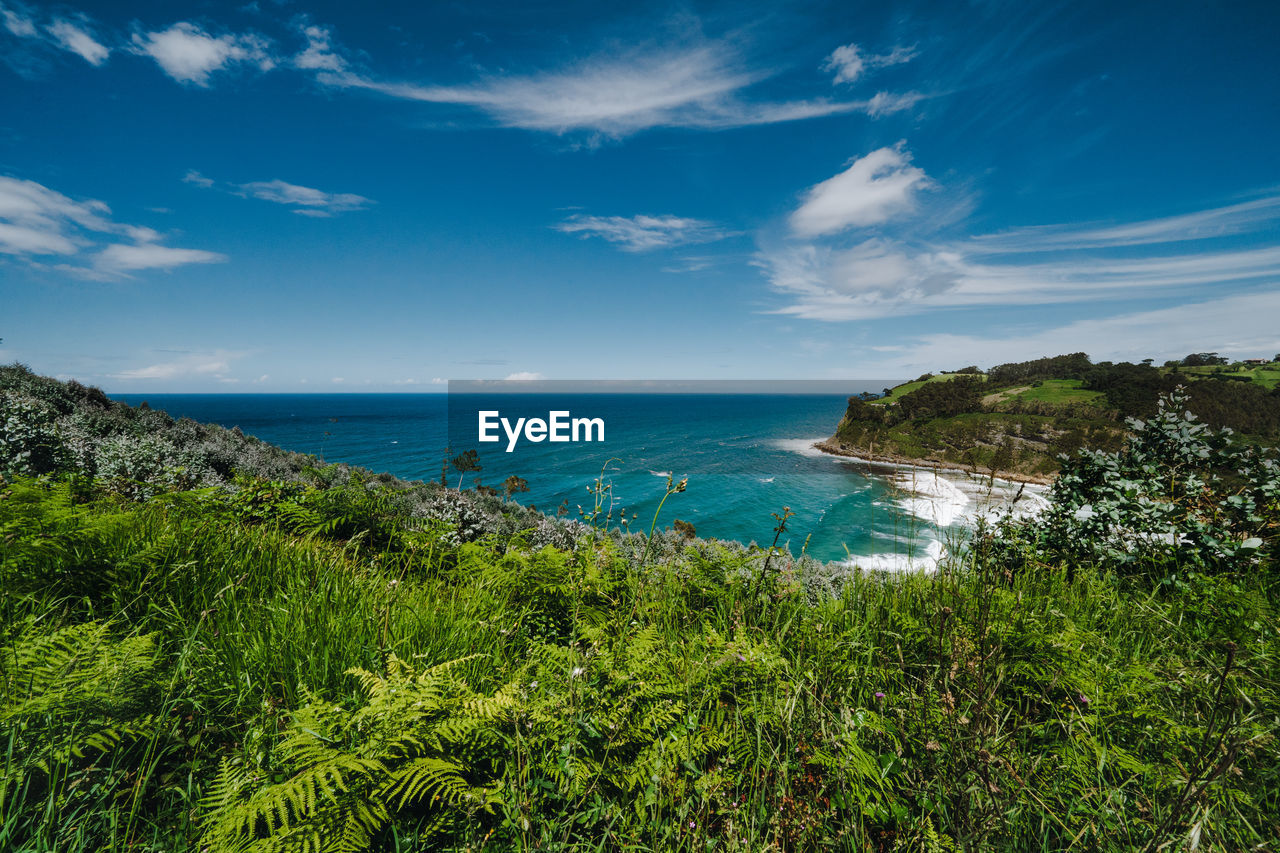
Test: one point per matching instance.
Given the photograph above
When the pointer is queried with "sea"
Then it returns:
(746, 460)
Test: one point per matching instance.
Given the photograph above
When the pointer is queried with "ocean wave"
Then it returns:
(660, 473)
(932, 497)
(803, 446)
(921, 560)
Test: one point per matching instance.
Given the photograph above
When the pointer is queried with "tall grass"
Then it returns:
(165, 663)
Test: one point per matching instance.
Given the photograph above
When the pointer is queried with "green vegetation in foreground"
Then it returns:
(337, 663)
(1018, 418)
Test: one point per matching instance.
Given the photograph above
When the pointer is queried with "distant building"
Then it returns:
(1256, 361)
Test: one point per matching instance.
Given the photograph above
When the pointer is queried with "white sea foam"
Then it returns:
(919, 560)
(767, 479)
(803, 446)
(940, 497)
(931, 497)
(660, 473)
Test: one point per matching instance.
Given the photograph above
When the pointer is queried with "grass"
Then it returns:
(1266, 375)
(659, 702)
(1060, 391)
(907, 387)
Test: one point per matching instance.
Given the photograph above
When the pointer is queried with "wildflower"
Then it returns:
(533, 685)
(1083, 700)
(577, 671)
(879, 695)
(692, 824)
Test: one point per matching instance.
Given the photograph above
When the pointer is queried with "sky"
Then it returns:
(319, 196)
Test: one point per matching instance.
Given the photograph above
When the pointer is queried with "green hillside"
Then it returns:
(1016, 418)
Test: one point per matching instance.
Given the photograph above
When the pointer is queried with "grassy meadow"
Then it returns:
(321, 659)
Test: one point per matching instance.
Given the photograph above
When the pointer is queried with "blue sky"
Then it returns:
(306, 196)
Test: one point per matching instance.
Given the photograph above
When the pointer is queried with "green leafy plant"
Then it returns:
(410, 750)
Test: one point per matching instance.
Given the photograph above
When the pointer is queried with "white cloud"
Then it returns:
(874, 189)
(306, 201)
(37, 222)
(215, 364)
(887, 103)
(1200, 225)
(849, 62)
(1240, 325)
(616, 94)
(188, 54)
(121, 258)
(523, 376)
(20, 25)
(642, 233)
(194, 177)
(319, 54)
(878, 277)
(78, 40)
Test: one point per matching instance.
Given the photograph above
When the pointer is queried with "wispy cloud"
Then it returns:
(1241, 324)
(189, 54)
(305, 201)
(702, 86)
(37, 223)
(696, 83)
(524, 376)
(319, 54)
(849, 61)
(210, 364)
(123, 258)
(20, 24)
(1201, 225)
(75, 34)
(874, 189)
(77, 39)
(881, 276)
(886, 103)
(643, 233)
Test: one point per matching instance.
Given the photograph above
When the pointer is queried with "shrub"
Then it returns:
(1179, 494)
(29, 441)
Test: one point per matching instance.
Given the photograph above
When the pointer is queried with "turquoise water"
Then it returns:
(746, 456)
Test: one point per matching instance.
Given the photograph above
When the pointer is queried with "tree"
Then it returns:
(1203, 359)
(464, 463)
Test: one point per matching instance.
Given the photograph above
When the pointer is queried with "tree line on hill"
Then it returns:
(1129, 390)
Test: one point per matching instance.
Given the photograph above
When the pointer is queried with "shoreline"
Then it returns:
(895, 462)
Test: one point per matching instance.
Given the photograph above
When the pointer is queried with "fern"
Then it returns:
(77, 691)
(351, 773)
